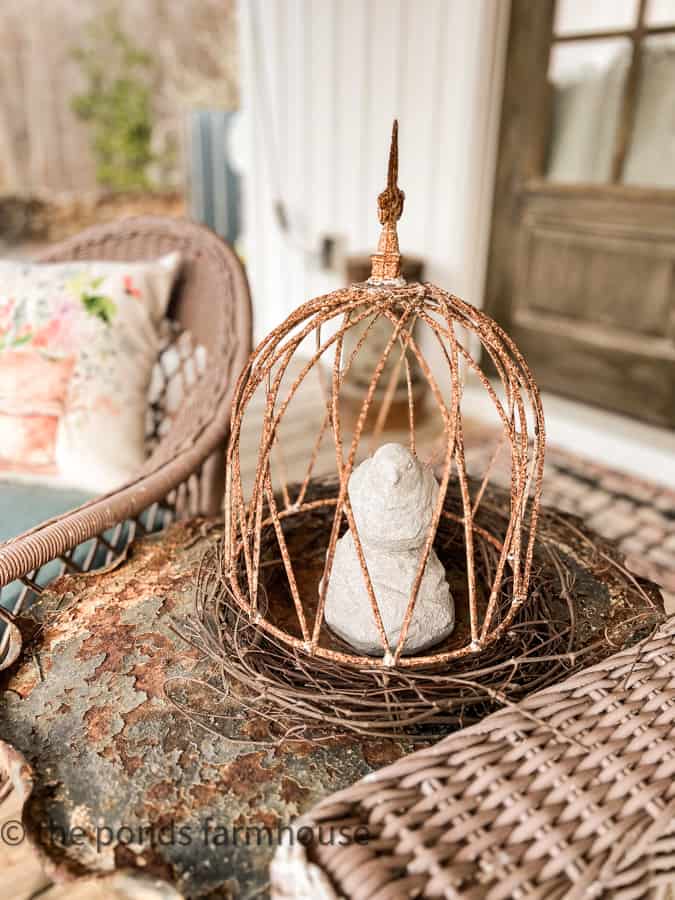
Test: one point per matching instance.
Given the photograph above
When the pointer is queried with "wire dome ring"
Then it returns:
(255, 521)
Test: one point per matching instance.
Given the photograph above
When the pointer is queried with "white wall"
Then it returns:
(322, 81)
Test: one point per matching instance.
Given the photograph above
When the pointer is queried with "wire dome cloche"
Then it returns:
(282, 540)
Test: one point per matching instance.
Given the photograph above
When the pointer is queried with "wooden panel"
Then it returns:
(585, 365)
(551, 277)
(623, 282)
(522, 142)
(593, 298)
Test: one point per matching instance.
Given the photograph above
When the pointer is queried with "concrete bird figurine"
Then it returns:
(392, 495)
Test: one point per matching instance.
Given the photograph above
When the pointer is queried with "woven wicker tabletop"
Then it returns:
(569, 794)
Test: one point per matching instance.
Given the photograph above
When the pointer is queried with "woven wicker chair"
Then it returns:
(188, 420)
(570, 794)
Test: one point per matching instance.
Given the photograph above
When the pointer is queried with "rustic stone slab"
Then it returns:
(87, 709)
(123, 779)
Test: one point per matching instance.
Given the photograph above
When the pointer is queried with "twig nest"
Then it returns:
(393, 497)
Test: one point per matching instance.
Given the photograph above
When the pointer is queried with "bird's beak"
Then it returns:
(392, 474)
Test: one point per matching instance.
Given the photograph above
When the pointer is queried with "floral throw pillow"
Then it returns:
(78, 342)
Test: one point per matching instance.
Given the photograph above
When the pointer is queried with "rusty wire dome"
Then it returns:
(280, 539)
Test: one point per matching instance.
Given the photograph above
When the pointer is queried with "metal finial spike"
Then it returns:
(392, 178)
(386, 263)
(390, 201)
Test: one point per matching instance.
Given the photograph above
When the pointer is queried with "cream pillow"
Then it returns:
(78, 343)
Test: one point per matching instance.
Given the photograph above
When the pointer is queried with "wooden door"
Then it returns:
(582, 274)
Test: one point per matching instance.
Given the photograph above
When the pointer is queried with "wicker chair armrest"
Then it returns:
(185, 470)
(55, 537)
(212, 303)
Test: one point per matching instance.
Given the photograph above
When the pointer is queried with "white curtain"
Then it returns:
(651, 156)
(586, 110)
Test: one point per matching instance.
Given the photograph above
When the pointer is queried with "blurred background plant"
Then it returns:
(95, 106)
(116, 103)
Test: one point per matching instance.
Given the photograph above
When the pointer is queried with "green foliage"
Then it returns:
(99, 305)
(116, 103)
(95, 304)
